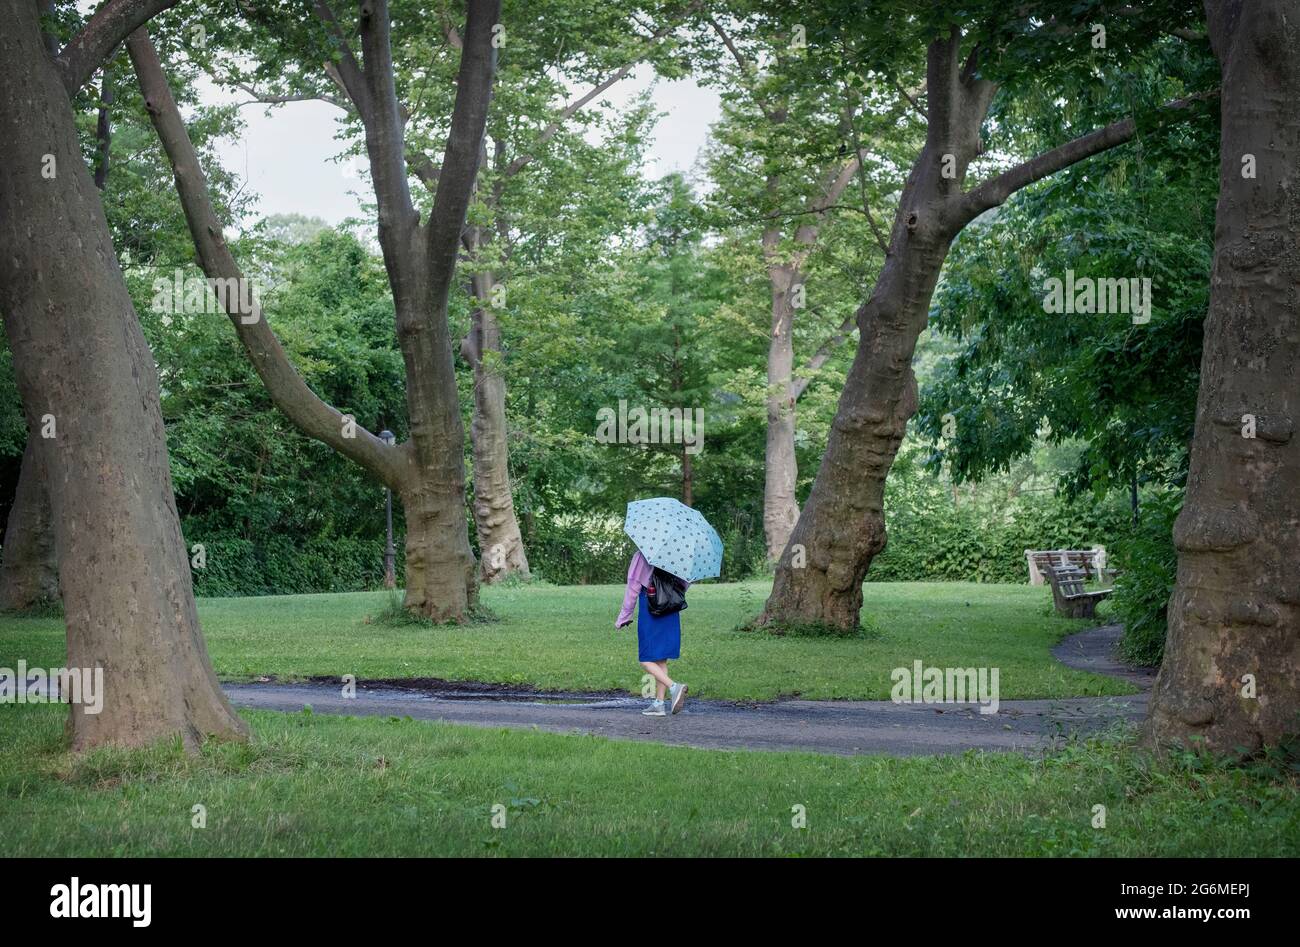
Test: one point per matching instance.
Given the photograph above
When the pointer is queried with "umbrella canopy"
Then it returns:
(674, 537)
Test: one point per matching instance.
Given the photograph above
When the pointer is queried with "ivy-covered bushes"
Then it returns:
(282, 565)
(933, 539)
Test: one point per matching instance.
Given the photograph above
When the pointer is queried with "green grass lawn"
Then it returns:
(563, 638)
(316, 785)
(319, 785)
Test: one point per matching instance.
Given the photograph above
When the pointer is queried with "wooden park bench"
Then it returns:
(1091, 561)
(1071, 598)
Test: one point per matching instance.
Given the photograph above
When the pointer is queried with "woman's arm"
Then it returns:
(638, 570)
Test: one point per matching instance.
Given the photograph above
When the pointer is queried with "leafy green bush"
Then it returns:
(930, 539)
(285, 565)
(572, 550)
(744, 550)
(1146, 554)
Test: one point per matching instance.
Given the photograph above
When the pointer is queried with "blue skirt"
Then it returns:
(657, 639)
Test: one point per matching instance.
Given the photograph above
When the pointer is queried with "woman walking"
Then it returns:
(659, 638)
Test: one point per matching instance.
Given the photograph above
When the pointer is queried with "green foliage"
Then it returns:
(984, 539)
(622, 287)
(276, 564)
(574, 550)
(276, 511)
(1126, 390)
(591, 550)
(1146, 554)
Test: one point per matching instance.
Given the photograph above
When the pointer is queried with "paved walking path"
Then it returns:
(824, 726)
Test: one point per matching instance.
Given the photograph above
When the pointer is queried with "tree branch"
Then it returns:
(551, 130)
(346, 72)
(384, 124)
(109, 25)
(807, 234)
(1181, 32)
(286, 387)
(913, 99)
(422, 167)
(451, 35)
(261, 98)
(104, 128)
(748, 70)
(459, 169)
(821, 356)
(995, 191)
(746, 67)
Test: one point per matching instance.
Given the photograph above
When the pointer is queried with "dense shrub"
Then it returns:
(1150, 563)
(564, 551)
(572, 550)
(932, 539)
(282, 565)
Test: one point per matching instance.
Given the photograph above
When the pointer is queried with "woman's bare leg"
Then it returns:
(659, 671)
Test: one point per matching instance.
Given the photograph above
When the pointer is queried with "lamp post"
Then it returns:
(390, 557)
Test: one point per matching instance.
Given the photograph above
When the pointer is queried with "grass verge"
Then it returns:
(316, 785)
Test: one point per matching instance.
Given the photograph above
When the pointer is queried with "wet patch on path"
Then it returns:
(824, 726)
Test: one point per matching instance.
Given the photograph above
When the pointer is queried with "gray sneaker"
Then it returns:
(677, 697)
(656, 709)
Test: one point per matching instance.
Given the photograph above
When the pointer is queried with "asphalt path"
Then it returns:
(845, 727)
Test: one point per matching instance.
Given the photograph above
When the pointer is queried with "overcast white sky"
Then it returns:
(284, 155)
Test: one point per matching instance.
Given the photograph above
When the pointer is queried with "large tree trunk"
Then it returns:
(427, 472)
(29, 573)
(781, 469)
(1235, 612)
(440, 569)
(441, 573)
(842, 527)
(501, 545)
(81, 358)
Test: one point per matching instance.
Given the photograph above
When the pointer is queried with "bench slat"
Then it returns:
(1069, 593)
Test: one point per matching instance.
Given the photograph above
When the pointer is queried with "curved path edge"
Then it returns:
(842, 727)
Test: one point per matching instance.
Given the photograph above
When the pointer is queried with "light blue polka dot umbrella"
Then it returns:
(675, 538)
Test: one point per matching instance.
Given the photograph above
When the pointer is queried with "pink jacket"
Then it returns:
(639, 573)
(638, 577)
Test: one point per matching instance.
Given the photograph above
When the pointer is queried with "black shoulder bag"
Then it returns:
(666, 594)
